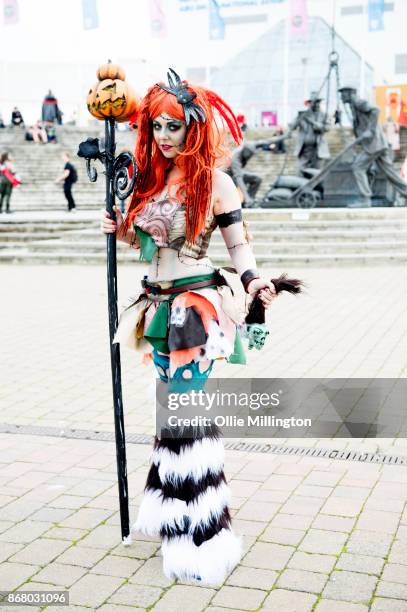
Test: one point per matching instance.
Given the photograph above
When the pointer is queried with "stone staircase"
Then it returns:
(284, 237)
(39, 165)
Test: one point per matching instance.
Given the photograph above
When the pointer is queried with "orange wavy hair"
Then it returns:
(202, 149)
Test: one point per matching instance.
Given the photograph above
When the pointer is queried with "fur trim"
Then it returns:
(150, 513)
(209, 563)
(194, 460)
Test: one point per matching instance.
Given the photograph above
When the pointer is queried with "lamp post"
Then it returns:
(111, 99)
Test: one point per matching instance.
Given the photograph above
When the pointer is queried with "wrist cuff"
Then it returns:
(247, 276)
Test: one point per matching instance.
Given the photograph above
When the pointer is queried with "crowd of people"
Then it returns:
(42, 132)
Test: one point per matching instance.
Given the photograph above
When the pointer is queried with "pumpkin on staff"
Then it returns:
(112, 97)
(110, 71)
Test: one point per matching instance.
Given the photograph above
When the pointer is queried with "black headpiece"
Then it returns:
(179, 89)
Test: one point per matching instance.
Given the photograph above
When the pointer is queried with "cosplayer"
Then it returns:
(186, 316)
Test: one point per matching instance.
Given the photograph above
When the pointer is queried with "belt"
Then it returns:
(179, 289)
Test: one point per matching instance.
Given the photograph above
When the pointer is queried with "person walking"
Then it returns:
(69, 177)
(8, 180)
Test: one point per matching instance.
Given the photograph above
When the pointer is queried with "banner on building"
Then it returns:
(268, 118)
(10, 12)
(375, 14)
(158, 19)
(90, 14)
(402, 119)
(298, 17)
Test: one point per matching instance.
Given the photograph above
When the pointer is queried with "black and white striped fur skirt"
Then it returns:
(186, 502)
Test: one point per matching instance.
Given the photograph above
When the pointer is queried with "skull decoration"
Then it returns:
(256, 333)
(112, 96)
(178, 314)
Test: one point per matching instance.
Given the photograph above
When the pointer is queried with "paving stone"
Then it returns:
(188, 598)
(369, 543)
(7, 549)
(291, 521)
(329, 605)
(235, 597)
(243, 488)
(322, 479)
(325, 542)
(60, 574)
(350, 586)
(14, 574)
(81, 556)
(289, 601)
(113, 608)
(138, 550)
(388, 505)
(252, 578)
(40, 552)
(381, 522)
(398, 553)
(392, 589)
(401, 533)
(312, 562)
(388, 605)
(302, 506)
(257, 511)
(108, 502)
(112, 565)
(104, 536)
(69, 501)
(360, 563)
(342, 507)
(333, 523)
(268, 556)
(278, 535)
(151, 573)
(270, 495)
(136, 595)
(86, 518)
(360, 493)
(251, 528)
(65, 533)
(282, 482)
(51, 515)
(300, 580)
(314, 491)
(395, 573)
(90, 487)
(24, 532)
(92, 590)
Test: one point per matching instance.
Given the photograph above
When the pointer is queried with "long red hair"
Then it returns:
(202, 149)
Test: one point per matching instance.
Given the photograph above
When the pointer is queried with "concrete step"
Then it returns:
(280, 260)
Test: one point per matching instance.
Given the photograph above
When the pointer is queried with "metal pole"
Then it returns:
(110, 148)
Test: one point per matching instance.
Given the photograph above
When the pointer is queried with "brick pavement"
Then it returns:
(318, 534)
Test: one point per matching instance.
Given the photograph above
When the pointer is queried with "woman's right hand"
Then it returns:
(108, 225)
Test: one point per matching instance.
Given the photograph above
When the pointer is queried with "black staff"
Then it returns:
(118, 183)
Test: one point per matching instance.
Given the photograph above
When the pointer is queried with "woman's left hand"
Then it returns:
(266, 288)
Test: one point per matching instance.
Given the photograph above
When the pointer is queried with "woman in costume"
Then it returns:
(186, 316)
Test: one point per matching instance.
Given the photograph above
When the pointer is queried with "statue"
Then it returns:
(249, 182)
(374, 148)
(311, 146)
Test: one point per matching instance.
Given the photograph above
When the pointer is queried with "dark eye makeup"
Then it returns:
(173, 126)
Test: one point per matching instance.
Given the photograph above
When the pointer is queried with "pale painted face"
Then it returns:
(169, 134)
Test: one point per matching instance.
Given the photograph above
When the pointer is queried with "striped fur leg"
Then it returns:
(149, 518)
(198, 543)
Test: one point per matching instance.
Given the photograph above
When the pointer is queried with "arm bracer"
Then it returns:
(241, 254)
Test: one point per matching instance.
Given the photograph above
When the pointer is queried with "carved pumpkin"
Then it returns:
(112, 98)
(110, 71)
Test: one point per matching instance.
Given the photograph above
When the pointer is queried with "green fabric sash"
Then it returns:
(148, 247)
(238, 355)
